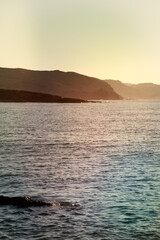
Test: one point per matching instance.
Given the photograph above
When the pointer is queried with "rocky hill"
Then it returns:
(64, 84)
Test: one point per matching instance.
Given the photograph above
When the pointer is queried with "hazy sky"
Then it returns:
(108, 39)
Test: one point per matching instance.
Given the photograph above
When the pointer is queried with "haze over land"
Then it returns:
(136, 91)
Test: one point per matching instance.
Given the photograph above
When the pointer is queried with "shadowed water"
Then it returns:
(104, 157)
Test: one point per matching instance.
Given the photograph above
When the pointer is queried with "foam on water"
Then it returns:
(105, 157)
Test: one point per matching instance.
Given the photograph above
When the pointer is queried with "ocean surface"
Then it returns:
(105, 157)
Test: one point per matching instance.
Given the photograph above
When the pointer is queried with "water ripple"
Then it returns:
(104, 157)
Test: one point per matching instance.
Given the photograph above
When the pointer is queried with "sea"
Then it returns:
(101, 159)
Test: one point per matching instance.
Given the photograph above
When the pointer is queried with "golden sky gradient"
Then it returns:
(108, 39)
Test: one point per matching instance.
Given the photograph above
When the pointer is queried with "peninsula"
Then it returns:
(24, 96)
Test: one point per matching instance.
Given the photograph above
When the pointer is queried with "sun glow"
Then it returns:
(106, 39)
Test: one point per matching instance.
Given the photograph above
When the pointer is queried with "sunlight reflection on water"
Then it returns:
(103, 156)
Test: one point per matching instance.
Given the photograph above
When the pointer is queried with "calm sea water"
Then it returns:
(103, 156)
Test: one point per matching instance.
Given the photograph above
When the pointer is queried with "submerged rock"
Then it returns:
(22, 201)
(29, 202)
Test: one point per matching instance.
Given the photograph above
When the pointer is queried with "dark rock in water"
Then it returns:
(22, 201)
(29, 202)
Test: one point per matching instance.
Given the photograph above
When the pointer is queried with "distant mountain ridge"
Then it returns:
(136, 91)
(64, 84)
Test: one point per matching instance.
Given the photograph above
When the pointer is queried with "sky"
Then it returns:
(107, 39)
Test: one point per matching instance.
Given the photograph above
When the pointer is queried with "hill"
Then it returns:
(136, 91)
(65, 84)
